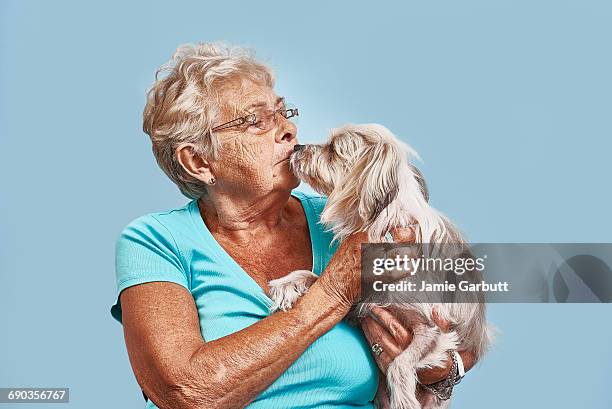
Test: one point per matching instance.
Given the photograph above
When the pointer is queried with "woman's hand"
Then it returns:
(386, 330)
(341, 279)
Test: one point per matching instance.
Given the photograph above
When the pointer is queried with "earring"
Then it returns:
(212, 180)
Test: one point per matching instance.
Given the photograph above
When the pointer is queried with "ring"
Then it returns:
(377, 349)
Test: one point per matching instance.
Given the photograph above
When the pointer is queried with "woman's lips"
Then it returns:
(286, 158)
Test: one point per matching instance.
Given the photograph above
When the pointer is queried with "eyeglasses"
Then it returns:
(263, 120)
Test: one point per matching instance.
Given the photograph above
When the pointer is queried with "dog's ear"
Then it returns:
(377, 179)
(367, 189)
(421, 179)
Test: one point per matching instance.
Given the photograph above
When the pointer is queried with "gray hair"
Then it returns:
(184, 105)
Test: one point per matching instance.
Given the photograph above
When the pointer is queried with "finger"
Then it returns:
(468, 358)
(402, 336)
(383, 360)
(398, 272)
(436, 373)
(403, 234)
(376, 333)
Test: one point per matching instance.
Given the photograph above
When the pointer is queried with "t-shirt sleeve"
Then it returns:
(146, 251)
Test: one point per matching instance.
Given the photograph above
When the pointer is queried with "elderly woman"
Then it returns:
(192, 281)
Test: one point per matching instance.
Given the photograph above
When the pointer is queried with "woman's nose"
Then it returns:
(287, 131)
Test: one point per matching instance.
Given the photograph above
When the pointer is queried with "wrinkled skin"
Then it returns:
(248, 163)
(250, 212)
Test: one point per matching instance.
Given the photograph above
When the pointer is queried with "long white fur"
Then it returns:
(371, 186)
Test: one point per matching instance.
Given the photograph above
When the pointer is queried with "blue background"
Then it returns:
(508, 103)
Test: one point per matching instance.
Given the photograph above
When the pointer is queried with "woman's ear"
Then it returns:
(192, 163)
(418, 176)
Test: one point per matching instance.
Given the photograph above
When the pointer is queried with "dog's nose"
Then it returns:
(298, 147)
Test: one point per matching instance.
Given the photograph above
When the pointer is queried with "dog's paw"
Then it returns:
(401, 384)
(446, 341)
(286, 290)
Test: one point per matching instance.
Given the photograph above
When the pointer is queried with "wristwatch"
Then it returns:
(444, 388)
(460, 367)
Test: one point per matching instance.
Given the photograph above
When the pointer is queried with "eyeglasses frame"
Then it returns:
(252, 118)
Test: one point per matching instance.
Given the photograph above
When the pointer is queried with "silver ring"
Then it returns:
(377, 349)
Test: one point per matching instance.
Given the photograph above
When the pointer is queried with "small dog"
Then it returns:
(371, 186)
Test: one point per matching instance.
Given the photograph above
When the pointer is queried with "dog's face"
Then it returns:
(358, 169)
(325, 166)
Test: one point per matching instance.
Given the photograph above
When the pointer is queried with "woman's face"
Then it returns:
(251, 160)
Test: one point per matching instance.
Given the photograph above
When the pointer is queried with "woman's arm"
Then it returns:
(178, 370)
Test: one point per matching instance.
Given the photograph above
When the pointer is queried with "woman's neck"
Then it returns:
(242, 217)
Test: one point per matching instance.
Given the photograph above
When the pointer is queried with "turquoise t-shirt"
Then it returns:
(335, 371)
